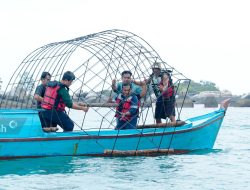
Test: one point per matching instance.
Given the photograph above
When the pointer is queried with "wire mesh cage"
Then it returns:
(95, 60)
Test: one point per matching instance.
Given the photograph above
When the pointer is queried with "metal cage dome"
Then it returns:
(95, 60)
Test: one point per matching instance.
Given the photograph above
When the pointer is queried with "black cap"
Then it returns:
(68, 75)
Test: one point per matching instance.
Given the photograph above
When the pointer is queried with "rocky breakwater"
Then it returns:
(211, 98)
(185, 102)
(242, 101)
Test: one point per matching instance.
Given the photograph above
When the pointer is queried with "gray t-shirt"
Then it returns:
(40, 90)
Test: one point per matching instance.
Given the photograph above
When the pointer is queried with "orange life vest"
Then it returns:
(51, 98)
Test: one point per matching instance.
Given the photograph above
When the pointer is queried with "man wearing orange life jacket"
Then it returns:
(39, 94)
(127, 109)
(56, 98)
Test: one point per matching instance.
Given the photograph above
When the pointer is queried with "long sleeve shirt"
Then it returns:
(64, 93)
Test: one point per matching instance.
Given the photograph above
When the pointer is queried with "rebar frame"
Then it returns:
(95, 59)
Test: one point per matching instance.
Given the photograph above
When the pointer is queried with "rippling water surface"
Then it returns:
(227, 166)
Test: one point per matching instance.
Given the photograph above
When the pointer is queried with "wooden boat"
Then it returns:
(21, 136)
(96, 59)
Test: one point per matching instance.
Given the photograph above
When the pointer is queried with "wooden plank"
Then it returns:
(149, 152)
(161, 125)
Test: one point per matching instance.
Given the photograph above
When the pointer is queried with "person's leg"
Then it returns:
(170, 111)
(120, 125)
(64, 121)
(172, 118)
(54, 127)
(43, 124)
(158, 110)
(46, 116)
(158, 121)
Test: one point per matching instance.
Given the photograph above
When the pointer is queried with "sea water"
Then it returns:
(227, 166)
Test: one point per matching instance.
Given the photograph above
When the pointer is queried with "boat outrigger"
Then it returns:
(96, 59)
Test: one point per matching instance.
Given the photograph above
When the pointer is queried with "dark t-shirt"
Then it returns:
(40, 90)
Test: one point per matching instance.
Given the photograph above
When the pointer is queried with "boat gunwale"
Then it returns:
(27, 139)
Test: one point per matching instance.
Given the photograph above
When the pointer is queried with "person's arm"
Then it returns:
(165, 82)
(140, 83)
(144, 89)
(68, 101)
(38, 94)
(38, 98)
(80, 106)
(163, 86)
(113, 86)
(143, 86)
(147, 81)
(140, 88)
(65, 97)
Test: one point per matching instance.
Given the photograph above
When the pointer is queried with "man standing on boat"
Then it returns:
(56, 98)
(39, 93)
(162, 85)
(40, 89)
(137, 87)
(155, 79)
(165, 104)
(127, 109)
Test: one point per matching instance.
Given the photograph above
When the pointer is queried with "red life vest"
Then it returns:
(51, 99)
(169, 92)
(124, 106)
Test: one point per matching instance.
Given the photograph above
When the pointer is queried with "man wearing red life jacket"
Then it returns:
(40, 89)
(165, 104)
(39, 94)
(56, 98)
(127, 109)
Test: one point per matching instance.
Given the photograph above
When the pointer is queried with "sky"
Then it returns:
(203, 39)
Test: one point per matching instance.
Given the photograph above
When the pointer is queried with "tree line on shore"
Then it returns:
(203, 92)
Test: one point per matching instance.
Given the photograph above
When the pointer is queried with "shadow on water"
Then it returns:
(45, 165)
(53, 165)
(87, 165)
(90, 165)
(205, 151)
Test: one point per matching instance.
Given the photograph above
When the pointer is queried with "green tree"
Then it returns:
(195, 87)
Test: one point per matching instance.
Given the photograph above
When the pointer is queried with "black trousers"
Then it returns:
(164, 108)
(54, 117)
